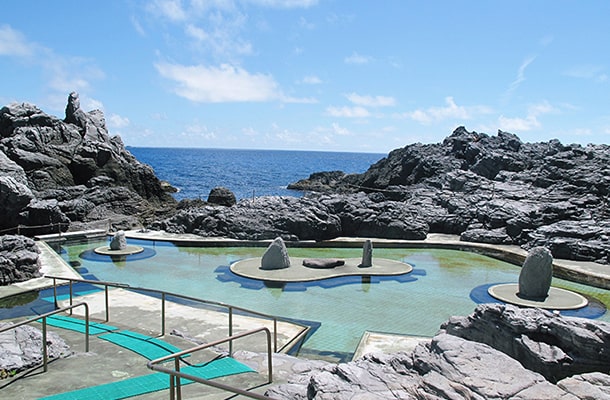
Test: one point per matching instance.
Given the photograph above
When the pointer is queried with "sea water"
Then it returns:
(247, 173)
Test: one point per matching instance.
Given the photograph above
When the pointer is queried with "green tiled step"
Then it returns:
(145, 346)
(78, 325)
(153, 382)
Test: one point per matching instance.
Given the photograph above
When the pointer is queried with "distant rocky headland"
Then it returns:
(70, 174)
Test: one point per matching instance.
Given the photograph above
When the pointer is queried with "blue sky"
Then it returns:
(336, 75)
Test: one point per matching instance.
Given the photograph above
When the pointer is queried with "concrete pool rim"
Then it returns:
(584, 272)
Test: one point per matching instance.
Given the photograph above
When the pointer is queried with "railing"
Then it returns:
(230, 308)
(45, 356)
(175, 374)
(55, 227)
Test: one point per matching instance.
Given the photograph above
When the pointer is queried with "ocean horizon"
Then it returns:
(247, 173)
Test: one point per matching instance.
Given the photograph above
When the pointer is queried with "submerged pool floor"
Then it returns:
(443, 283)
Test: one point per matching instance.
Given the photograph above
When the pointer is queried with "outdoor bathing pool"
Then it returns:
(443, 283)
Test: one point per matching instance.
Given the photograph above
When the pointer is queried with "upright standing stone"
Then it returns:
(367, 254)
(276, 256)
(119, 241)
(536, 274)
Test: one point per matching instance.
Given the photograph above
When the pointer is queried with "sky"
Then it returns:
(331, 75)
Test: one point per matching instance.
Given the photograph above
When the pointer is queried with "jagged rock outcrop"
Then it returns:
(554, 346)
(21, 348)
(315, 217)
(222, 196)
(70, 172)
(19, 260)
(495, 189)
(464, 367)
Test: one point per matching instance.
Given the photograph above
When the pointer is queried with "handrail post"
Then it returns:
(45, 355)
(86, 327)
(230, 331)
(269, 359)
(55, 293)
(178, 383)
(172, 387)
(274, 335)
(163, 314)
(70, 296)
(106, 302)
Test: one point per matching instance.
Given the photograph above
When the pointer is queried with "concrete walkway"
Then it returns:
(185, 327)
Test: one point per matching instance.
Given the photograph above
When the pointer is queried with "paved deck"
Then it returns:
(128, 310)
(185, 327)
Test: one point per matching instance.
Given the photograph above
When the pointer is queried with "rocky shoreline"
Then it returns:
(489, 189)
(497, 352)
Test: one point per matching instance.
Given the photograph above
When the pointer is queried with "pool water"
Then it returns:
(441, 284)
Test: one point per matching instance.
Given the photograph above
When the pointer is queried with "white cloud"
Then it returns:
(339, 130)
(592, 72)
(67, 74)
(170, 9)
(250, 131)
(450, 111)
(13, 43)
(60, 74)
(117, 121)
(371, 101)
(88, 103)
(530, 121)
(159, 116)
(196, 32)
(520, 75)
(311, 80)
(348, 112)
(225, 83)
(356, 58)
(138, 26)
(198, 131)
(285, 3)
(518, 124)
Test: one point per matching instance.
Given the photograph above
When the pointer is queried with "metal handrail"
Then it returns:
(231, 309)
(45, 356)
(175, 374)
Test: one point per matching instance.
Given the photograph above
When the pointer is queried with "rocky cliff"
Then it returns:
(58, 174)
(498, 352)
(492, 189)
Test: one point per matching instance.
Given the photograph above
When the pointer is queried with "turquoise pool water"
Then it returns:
(441, 285)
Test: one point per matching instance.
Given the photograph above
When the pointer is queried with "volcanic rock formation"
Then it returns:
(490, 189)
(498, 352)
(58, 174)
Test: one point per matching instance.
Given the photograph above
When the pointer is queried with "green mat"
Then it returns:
(145, 346)
(153, 382)
(78, 325)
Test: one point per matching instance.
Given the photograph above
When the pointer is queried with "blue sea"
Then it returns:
(247, 173)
